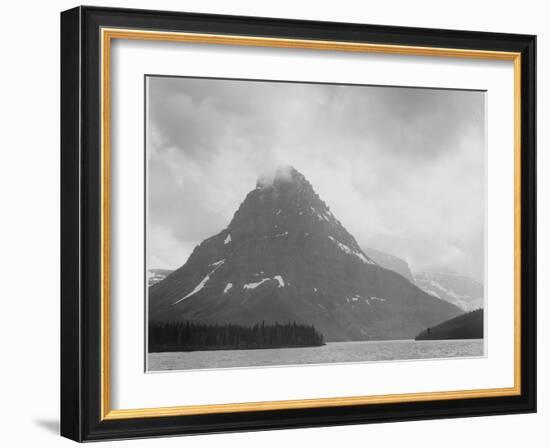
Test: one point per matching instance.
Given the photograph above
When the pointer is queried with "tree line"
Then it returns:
(188, 336)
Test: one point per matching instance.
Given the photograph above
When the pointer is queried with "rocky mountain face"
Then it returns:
(285, 257)
(462, 291)
(391, 262)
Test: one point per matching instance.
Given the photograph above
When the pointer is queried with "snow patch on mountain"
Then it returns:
(203, 282)
(462, 291)
(449, 292)
(197, 288)
(350, 251)
(227, 239)
(430, 291)
(157, 275)
(254, 285)
(320, 216)
(280, 280)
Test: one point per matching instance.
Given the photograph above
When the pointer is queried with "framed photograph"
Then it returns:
(272, 223)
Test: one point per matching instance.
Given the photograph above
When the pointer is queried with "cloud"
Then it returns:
(402, 168)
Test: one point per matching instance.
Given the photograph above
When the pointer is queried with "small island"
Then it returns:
(191, 336)
(465, 326)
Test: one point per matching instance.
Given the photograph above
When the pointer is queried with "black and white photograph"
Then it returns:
(293, 223)
(285, 219)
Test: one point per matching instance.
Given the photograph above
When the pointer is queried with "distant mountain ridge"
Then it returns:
(284, 257)
(460, 290)
(391, 262)
(155, 275)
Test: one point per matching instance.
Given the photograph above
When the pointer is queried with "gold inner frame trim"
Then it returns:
(107, 35)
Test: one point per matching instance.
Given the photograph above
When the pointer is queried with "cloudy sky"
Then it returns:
(403, 169)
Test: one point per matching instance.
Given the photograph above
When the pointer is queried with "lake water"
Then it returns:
(332, 352)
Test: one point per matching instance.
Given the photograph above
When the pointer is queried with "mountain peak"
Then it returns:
(280, 175)
(285, 257)
(284, 199)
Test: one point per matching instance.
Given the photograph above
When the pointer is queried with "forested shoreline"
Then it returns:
(190, 336)
(466, 326)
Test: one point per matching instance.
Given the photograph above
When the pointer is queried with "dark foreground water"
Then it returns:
(332, 352)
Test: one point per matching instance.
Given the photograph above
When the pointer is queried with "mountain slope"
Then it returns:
(462, 291)
(391, 262)
(285, 257)
(466, 326)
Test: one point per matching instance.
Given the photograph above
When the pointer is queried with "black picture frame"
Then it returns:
(81, 414)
